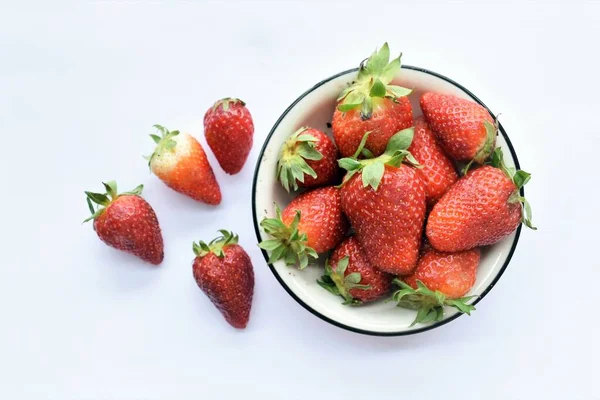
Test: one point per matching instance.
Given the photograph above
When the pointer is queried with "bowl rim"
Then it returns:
(291, 292)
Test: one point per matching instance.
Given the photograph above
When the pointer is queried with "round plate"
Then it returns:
(315, 108)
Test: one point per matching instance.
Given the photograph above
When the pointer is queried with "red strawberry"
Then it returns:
(223, 271)
(127, 222)
(385, 202)
(307, 159)
(229, 129)
(371, 104)
(480, 209)
(440, 279)
(464, 128)
(350, 275)
(453, 274)
(180, 162)
(438, 170)
(312, 223)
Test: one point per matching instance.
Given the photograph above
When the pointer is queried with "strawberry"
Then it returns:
(480, 209)
(438, 170)
(385, 202)
(127, 222)
(180, 162)
(453, 274)
(372, 104)
(349, 274)
(440, 279)
(307, 159)
(464, 128)
(312, 223)
(223, 271)
(229, 130)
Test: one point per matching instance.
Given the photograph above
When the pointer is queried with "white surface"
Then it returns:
(80, 87)
(316, 109)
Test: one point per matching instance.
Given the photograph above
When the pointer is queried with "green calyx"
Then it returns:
(429, 304)
(216, 245)
(519, 178)
(372, 82)
(292, 165)
(372, 169)
(226, 103)
(491, 131)
(288, 243)
(164, 142)
(336, 283)
(103, 200)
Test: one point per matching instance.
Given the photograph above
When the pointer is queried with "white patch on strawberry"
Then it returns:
(165, 160)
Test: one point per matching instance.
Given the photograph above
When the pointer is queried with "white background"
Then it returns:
(80, 87)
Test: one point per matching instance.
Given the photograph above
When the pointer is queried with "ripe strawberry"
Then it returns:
(223, 271)
(350, 275)
(385, 202)
(371, 104)
(464, 128)
(453, 274)
(307, 159)
(180, 162)
(440, 279)
(438, 170)
(312, 223)
(480, 209)
(229, 129)
(127, 222)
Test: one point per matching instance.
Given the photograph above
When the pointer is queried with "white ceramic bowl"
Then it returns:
(315, 108)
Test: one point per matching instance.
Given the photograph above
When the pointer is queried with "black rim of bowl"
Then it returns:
(324, 317)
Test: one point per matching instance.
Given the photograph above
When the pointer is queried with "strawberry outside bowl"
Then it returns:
(315, 108)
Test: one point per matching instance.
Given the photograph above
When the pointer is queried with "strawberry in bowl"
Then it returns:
(431, 199)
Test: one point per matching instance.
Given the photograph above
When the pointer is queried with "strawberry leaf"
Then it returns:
(400, 141)
(378, 60)
(111, 189)
(287, 243)
(378, 89)
(327, 284)
(353, 278)
(390, 70)
(428, 303)
(90, 205)
(309, 152)
(156, 138)
(336, 283)
(372, 174)
(372, 81)
(398, 91)
(348, 106)
(488, 145)
(271, 244)
(98, 198)
(291, 164)
(136, 191)
(362, 144)
(349, 164)
(367, 153)
(526, 209)
(353, 100)
(520, 178)
(217, 245)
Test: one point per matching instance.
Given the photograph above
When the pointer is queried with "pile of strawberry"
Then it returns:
(125, 221)
(402, 215)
